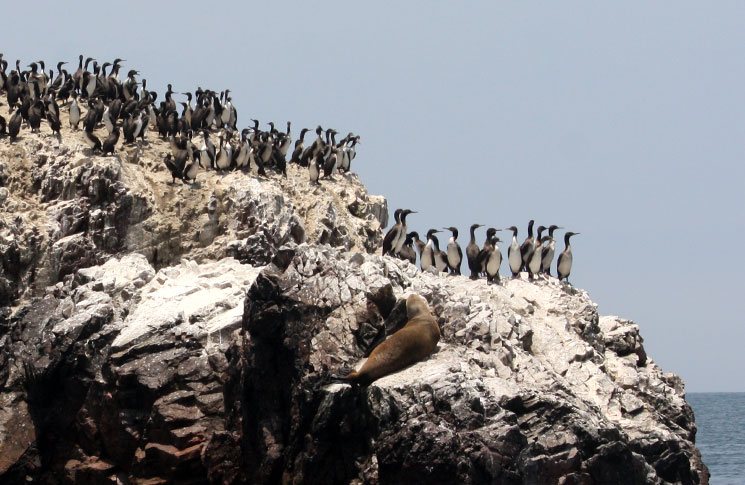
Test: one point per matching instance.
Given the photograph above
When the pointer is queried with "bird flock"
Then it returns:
(126, 110)
(534, 256)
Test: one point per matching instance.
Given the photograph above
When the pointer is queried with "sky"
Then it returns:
(622, 121)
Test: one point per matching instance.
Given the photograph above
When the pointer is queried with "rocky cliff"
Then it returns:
(159, 333)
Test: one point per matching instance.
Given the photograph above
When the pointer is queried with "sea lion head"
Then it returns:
(416, 306)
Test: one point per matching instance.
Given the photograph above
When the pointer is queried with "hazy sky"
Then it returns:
(622, 121)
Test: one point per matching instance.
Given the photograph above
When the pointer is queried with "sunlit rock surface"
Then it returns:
(187, 333)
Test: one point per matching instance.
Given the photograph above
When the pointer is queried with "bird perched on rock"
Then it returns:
(548, 251)
(454, 252)
(407, 250)
(514, 255)
(472, 252)
(534, 265)
(528, 246)
(391, 237)
(490, 257)
(14, 125)
(396, 236)
(176, 169)
(427, 258)
(109, 143)
(564, 263)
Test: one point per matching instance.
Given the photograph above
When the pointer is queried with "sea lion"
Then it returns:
(414, 342)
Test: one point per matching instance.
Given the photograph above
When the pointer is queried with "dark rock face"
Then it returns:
(121, 362)
(463, 416)
(183, 376)
(106, 378)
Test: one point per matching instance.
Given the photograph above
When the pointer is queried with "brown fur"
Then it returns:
(412, 343)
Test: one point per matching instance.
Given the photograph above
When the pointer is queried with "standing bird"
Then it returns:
(454, 253)
(54, 123)
(407, 250)
(299, 146)
(528, 246)
(92, 140)
(534, 266)
(491, 259)
(14, 124)
(548, 251)
(427, 259)
(191, 169)
(176, 169)
(481, 257)
(74, 111)
(35, 113)
(399, 243)
(314, 168)
(396, 236)
(472, 253)
(330, 163)
(209, 149)
(109, 143)
(224, 155)
(418, 243)
(391, 237)
(514, 256)
(564, 263)
(440, 257)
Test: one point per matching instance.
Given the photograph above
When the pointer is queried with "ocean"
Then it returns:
(720, 418)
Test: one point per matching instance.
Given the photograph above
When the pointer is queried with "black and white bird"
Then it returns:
(176, 169)
(407, 251)
(299, 147)
(418, 243)
(472, 252)
(74, 111)
(224, 155)
(396, 236)
(440, 256)
(564, 263)
(549, 251)
(391, 237)
(534, 265)
(427, 259)
(528, 246)
(14, 125)
(514, 255)
(109, 144)
(92, 140)
(490, 257)
(454, 252)
(314, 168)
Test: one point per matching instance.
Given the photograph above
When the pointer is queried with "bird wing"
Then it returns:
(525, 249)
(481, 257)
(388, 240)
